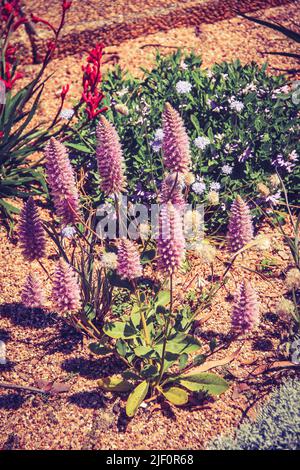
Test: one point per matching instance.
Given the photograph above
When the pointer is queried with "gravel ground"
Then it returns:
(41, 347)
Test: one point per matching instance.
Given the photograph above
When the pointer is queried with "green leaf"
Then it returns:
(136, 398)
(211, 383)
(144, 351)
(115, 383)
(163, 298)
(119, 330)
(176, 395)
(99, 349)
(121, 347)
(183, 360)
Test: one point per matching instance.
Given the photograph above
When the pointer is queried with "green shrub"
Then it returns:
(277, 425)
(246, 141)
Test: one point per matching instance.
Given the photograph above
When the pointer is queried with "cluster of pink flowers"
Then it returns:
(109, 158)
(240, 227)
(61, 180)
(245, 314)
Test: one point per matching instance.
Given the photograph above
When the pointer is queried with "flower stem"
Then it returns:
(166, 333)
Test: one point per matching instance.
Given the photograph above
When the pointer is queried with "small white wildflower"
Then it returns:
(213, 198)
(262, 242)
(67, 113)
(109, 260)
(205, 251)
(235, 104)
(227, 169)
(215, 186)
(274, 198)
(293, 156)
(183, 65)
(201, 142)
(210, 73)
(159, 134)
(183, 87)
(248, 88)
(144, 231)
(156, 145)
(292, 279)
(68, 232)
(219, 136)
(199, 187)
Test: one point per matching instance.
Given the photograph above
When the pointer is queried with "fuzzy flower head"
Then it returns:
(206, 252)
(213, 198)
(227, 169)
(285, 307)
(240, 228)
(183, 87)
(262, 242)
(292, 279)
(66, 291)
(263, 190)
(128, 265)
(32, 294)
(189, 179)
(31, 232)
(109, 158)
(274, 180)
(245, 314)
(235, 104)
(201, 142)
(170, 243)
(176, 151)
(109, 260)
(193, 225)
(66, 114)
(171, 191)
(199, 187)
(61, 180)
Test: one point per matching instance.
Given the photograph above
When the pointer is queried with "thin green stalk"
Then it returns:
(166, 332)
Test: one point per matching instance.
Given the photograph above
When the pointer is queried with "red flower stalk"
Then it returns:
(66, 292)
(37, 19)
(176, 151)
(32, 294)
(64, 91)
(170, 243)
(240, 228)
(61, 179)
(129, 266)
(245, 314)
(66, 5)
(171, 191)
(91, 96)
(109, 158)
(31, 232)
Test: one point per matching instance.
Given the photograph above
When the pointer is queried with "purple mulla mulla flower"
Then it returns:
(32, 293)
(248, 153)
(175, 144)
(109, 158)
(170, 243)
(171, 191)
(240, 227)
(61, 180)
(245, 313)
(66, 291)
(128, 261)
(31, 232)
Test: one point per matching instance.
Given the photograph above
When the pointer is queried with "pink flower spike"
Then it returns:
(171, 191)
(240, 228)
(245, 314)
(66, 291)
(176, 151)
(128, 263)
(61, 179)
(31, 232)
(32, 294)
(170, 243)
(109, 158)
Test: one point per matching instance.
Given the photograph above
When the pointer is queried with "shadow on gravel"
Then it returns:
(27, 317)
(91, 399)
(11, 401)
(4, 335)
(65, 340)
(92, 368)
